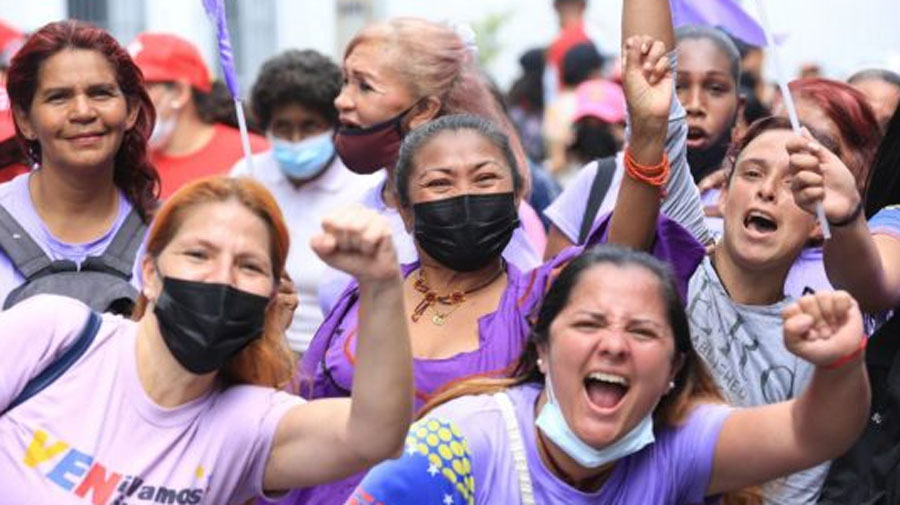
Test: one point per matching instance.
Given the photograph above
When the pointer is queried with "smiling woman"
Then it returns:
(83, 118)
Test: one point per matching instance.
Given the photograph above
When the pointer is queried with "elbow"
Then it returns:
(377, 448)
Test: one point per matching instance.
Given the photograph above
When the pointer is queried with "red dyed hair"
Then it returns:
(133, 174)
(851, 113)
(267, 361)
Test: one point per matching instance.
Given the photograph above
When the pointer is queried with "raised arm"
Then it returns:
(761, 443)
(865, 265)
(647, 37)
(325, 440)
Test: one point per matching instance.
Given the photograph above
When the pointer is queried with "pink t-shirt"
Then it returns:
(95, 437)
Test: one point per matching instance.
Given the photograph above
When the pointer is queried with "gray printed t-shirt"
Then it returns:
(744, 348)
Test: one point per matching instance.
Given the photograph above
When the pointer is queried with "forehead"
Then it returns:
(75, 66)
(770, 146)
(877, 87)
(702, 55)
(373, 57)
(811, 114)
(632, 289)
(224, 222)
(295, 112)
(460, 147)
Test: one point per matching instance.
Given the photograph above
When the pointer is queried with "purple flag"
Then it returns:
(215, 9)
(725, 14)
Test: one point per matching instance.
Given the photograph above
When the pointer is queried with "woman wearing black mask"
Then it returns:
(468, 310)
(398, 75)
(182, 401)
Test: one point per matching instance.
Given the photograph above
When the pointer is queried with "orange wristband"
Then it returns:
(843, 360)
(654, 175)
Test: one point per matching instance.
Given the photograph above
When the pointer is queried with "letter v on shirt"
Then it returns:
(79, 473)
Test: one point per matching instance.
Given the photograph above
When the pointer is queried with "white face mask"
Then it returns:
(163, 128)
(553, 425)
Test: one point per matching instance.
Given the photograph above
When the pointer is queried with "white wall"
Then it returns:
(841, 35)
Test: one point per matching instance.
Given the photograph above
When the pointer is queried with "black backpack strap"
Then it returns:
(20, 248)
(118, 258)
(606, 168)
(58, 367)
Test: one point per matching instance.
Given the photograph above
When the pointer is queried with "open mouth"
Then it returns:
(760, 222)
(696, 134)
(605, 391)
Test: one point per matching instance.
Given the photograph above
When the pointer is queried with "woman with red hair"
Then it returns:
(181, 404)
(841, 112)
(842, 115)
(82, 117)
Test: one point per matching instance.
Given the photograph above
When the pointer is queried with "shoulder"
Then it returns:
(262, 163)
(697, 432)
(886, 221)
(257, 408)
(687, 451)
(44, 311)
(11, 192)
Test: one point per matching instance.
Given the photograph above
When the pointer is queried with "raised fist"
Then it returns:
(823, 328)
(358, 241)
(647, 78)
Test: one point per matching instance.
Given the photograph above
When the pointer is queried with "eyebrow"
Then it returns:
(601, 315)
(472, 168)
(100, 86)
(760, 162)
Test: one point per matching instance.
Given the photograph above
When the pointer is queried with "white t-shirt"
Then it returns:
(304, 208)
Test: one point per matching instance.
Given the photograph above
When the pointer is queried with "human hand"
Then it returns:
(358, 241)
(713, 180)
(823, 328)
(286, 301)
(647, 80)
(818, 175)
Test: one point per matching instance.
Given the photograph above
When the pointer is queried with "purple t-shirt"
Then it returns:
(886, 222)
(675, 469)
(95, 436)
(329, 363)
(16, 198)
(520, 252)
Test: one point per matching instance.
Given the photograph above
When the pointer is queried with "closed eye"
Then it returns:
(198, 254)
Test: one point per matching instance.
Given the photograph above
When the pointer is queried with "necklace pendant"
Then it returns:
(438, 319)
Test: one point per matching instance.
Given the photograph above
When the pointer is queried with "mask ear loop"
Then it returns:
(548, 384)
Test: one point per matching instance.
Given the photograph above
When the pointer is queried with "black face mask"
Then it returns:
(707, 160)
(205, 324)
(593, 141)
(466, 232)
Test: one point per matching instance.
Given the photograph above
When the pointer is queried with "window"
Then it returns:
(124, 19)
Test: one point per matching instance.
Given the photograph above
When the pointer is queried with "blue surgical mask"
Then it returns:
(305, 159)
(554, 426)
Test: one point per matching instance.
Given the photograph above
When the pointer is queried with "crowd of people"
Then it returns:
(607, 285)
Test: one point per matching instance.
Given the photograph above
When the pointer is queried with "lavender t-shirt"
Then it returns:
(676, 469)
(95, 436)
(15, 197)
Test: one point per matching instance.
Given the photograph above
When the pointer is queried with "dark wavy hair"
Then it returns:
(307, 78)
(133, 174)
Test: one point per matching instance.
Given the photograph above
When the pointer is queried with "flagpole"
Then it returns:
(215, 9)
(788, 102)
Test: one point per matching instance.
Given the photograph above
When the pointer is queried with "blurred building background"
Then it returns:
(840, 36)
